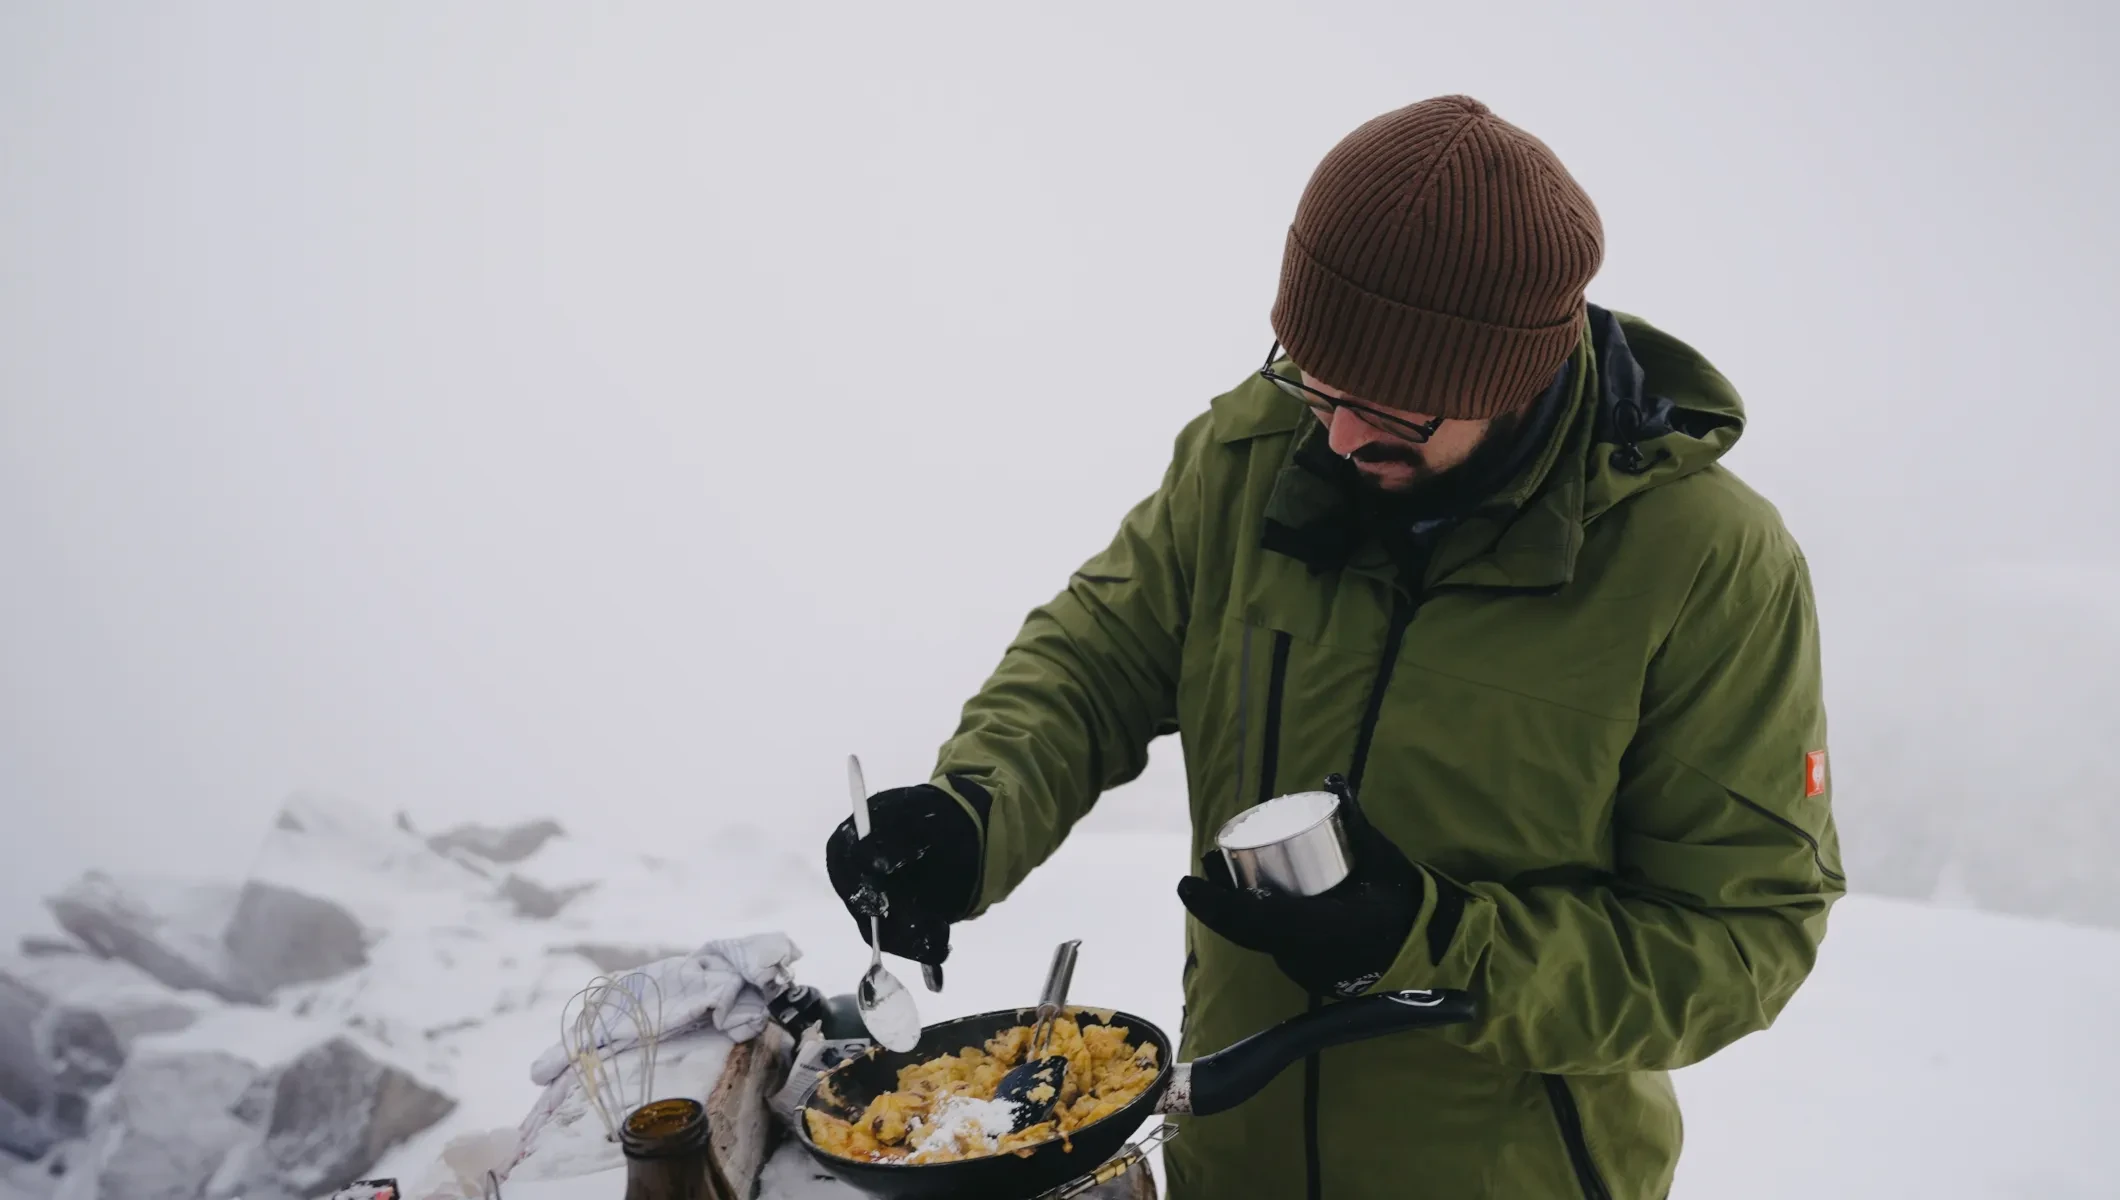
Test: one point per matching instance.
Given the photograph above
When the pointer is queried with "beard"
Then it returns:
(1450, 491)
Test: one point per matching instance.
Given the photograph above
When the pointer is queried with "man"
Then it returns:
(1469, 545)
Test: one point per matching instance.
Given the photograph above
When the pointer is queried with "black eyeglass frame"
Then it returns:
(1413, 431)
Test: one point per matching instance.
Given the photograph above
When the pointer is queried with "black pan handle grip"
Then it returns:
(802, 1006)
(1232, 1075)
(796, 1009)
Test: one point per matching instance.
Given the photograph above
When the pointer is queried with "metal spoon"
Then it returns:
(886, 1007)
(930, 973)
(1033, 1086)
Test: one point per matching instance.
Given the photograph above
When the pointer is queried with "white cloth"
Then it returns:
(726, 982)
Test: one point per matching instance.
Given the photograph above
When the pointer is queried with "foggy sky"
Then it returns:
(621, 412)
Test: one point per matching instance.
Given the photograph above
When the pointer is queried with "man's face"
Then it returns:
(1393, 464)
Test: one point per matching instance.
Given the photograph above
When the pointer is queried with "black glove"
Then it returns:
(1334, 944)
(917, 868)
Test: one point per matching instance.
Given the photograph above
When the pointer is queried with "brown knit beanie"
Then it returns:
(1437, 263)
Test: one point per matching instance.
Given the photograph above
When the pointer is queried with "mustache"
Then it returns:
(1382, 452)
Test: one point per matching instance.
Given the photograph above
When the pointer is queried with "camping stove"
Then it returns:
(1125, 1177)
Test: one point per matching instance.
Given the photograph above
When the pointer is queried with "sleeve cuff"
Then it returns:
(978, 804)
(1442, 949)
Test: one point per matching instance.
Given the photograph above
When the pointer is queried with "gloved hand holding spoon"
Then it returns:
(905, 869)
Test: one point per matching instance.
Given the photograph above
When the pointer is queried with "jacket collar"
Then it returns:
(1526, 535)
(1633, 410)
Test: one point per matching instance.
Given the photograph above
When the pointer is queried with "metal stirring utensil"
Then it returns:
(1033, 1085)
(887, 1009)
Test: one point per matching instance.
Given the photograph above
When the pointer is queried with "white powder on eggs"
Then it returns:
(961, 1123)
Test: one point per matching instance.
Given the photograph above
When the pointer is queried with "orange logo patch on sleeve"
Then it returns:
(1814, 773)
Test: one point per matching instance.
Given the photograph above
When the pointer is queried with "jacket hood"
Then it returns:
(1662, 411)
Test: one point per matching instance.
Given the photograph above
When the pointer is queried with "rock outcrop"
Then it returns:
(120, 920)
(208, 1125)
(280, 1038)
(126, 1000)
(27, 1086)
(81, 1047)
(336, 1109)
(535, 901)
(510, 844)
(279, 936)
(164, 1129)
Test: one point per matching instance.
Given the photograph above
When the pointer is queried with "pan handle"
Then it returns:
(1232, 1075)
(802, 1006)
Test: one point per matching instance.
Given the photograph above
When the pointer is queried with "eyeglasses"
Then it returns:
(1325, 405)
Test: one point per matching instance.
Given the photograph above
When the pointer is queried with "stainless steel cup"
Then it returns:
(1294, 844)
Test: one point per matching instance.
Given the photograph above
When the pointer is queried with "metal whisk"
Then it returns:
(611, 1017)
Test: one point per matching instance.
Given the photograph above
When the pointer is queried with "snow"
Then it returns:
(168, 927)
(133, 1001)
(603, 1185)
(340, 850)
(264, 1036)
(1934, 1052)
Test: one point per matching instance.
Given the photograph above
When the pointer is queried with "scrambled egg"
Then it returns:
(1104, 1075)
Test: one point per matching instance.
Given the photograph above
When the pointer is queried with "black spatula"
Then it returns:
(1034, 1085)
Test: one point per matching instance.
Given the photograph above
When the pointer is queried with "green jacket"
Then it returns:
(1597, 713)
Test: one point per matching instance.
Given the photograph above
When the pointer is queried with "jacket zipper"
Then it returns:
(1270, 736)
(1243, 718)
(1402, 610)
(1269, 768)
(1313, 1163)
(1571, 1122)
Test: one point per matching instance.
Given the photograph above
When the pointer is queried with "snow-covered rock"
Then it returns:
(132, 1003)
(23, 1135)
(336, 1109)
(613, 957)
(41, 946)
(163, 1130)
(534, 900)
(279, 936)
(77, 1042)
(26, 1180)
(386, 877)
(246, 1173)
(168, 929)
(509, 844)
(80, 1046)
(208, 1124)
(340, 1058)
(27, 1088)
